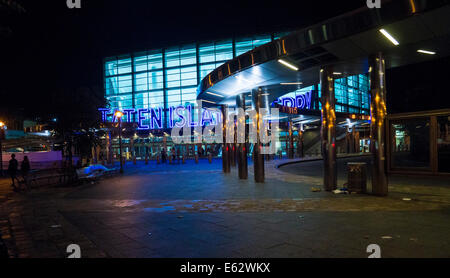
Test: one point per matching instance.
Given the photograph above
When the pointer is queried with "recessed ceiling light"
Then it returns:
(426, 52)
(208, 101)
(289, 65)
(214, 94)
(389, 36)
(291, 83)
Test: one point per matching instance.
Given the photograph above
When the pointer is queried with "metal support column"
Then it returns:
(225, 148)
(291, 141)
(300, 144)
(241, 148)
(258, 158)
(328, 129)
(377, 124)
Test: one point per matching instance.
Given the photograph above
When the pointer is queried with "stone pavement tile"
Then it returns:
(133, 232)
(122, 247)
(212, 238)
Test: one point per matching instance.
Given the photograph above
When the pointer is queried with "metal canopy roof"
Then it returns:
(344, 42)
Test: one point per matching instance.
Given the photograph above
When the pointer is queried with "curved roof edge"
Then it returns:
(308, 38)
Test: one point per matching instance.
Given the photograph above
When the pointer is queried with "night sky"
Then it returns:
(52, 47)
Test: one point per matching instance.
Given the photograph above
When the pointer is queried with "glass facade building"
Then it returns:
(169, 77)
(352, 94)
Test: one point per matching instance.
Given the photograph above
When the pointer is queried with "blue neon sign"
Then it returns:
(301, 102)
(177, 117)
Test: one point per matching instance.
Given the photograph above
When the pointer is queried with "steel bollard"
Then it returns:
(157, 160)
(196, 159)
(184, 159)
(210, 158)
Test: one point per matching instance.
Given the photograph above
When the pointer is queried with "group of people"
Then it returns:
(176, 154)
(13, 170)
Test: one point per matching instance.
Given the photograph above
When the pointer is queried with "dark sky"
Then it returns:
(52, 47)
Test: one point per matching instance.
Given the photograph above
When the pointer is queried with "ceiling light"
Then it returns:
(391, 38)
(288, 64)
(292, 83)
(214, 94)
(208, 101)
(426, 52)
(337, 73)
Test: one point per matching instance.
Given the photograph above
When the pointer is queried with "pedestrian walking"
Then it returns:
(25, 169)
(12, 171)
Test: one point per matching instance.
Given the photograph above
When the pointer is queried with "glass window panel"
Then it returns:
(173, 58)
(173, 78)
(189, 95)
(243, 46)
(155, 61)
(174, 97)
(111, 85)
(206, 53)
(140, 63)
(125, 84)
(124, 66)
(111, 68)
(224, 51)
(443, 143)
(189, 76)
(205, 69)
(261, 40)
(188, 56)
(141, 82)
(411, 143)
(122, 101)
(155, 80)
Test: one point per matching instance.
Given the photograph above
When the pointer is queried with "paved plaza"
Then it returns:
(194, 210)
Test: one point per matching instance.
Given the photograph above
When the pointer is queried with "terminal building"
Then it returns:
(328, 81)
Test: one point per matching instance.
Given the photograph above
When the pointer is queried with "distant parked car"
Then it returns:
(95, 171)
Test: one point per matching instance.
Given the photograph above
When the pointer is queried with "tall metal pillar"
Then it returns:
(291, 141)
(241, 148)
(258, 158)
(300, 144)
(378, 123)
(328, 129)
(226, 146)
(233, 151)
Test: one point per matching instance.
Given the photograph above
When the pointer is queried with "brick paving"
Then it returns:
(194, 210)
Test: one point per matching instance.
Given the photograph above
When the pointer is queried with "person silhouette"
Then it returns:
(12, 170)
(25, 169)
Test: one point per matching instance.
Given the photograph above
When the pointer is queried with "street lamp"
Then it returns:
(2, 137)
(119, 116)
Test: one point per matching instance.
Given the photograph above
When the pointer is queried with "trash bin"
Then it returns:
(357, 177)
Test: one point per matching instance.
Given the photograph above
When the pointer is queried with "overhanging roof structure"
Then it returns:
(344, 42)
